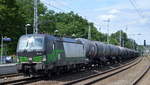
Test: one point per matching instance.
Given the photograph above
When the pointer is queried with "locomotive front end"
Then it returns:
(31, 54)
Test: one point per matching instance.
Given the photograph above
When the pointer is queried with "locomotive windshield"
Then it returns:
(30, 43)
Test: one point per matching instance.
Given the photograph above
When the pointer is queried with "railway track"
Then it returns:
(16, 79)
(79, 81)
(103, 75)
(21, 81)
(137, 80)
(10, 75)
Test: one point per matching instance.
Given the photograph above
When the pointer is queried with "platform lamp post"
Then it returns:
(73, 35)
(2, 43)
(26, 28)
(56, 32)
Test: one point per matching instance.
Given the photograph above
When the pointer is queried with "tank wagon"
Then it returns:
(45, 54)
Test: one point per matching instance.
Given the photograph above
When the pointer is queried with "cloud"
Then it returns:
(58, 4)
(99, 0)
(114, 11)
(144, 21)
(120, 12)
(55, 3)
(142, 4)
(105, 17)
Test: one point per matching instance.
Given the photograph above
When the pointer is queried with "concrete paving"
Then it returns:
(8, 68)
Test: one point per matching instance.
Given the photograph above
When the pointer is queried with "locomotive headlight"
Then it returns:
(30, 59)
(44, 57)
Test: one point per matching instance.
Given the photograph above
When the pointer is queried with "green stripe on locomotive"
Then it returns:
(54, 55)
(50, 57)
(26, 59)
(37, 59)
(22, 59)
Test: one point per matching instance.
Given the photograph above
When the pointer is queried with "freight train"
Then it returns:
(42, 54)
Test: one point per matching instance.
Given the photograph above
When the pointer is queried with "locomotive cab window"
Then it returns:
(30, 43)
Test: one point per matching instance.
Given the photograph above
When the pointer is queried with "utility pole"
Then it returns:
(126, 28)
(120, 38)
(35, 24)
(99, 29)
(89, 33)
(108, 20)
(123, 41)
(133, 44)
(144, 42)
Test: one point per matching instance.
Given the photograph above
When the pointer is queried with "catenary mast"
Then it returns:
(35, 24)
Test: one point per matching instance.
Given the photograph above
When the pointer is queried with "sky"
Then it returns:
(131, 16)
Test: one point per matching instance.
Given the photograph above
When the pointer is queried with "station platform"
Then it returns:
(8, 68)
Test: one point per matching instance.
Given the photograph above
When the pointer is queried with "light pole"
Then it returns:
(73, 35)
(108, 20)
(56, 32)
(26, 28)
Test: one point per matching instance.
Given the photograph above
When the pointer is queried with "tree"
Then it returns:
(125, 41)
(26, 9)
(15, 14)
(11, 22)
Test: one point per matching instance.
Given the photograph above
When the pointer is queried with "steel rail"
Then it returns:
(10, 75)
(137, 80)
(105, 72)
(21, 81)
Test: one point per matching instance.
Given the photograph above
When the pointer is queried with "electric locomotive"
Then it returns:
(44, 54)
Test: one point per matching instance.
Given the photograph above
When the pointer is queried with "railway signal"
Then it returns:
(144, 42)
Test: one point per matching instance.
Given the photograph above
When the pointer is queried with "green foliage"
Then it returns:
(15, 14)
(129, 43)
(114, 41)
(125, 41)
(117, 36)
(10, 21)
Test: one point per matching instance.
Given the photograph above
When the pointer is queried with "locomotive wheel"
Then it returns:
(49, 75)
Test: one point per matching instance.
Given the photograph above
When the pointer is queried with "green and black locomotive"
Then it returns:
(40, 53)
